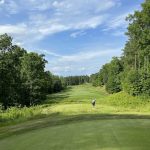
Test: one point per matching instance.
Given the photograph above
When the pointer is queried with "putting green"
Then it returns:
(109, 134)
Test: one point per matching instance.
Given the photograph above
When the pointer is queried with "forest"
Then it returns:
(24, 81)
(76, 80)
(131, 71)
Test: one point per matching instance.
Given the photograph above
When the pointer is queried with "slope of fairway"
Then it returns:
(123, 134)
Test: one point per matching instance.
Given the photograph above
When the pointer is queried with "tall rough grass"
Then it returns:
(125, 100)
(24, 113)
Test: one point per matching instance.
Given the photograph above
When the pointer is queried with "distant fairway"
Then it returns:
(69, 122)
(77, 100)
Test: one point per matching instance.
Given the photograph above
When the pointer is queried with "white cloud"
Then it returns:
(64, 15)
(17, 6)
(62, 70)
(18, 29)
(119, 33)
(48, 27)
(50, 53)
(117, 22)
(92, 22)
(12, 7)
(52, 29)
(82, 56)
(43, 18)
(9, 7)
(48, 17)
(82, 68)
(40, 5)
(79, 6)
(81, 63)
(2, 2)
(78, 33)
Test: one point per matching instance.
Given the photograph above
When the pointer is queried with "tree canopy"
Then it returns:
(23, 79)
(131, 72)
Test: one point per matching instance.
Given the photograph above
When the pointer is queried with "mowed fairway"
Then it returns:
(89, 135)
(75, 125)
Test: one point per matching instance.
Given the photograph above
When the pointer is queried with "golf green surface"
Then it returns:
(121, 134)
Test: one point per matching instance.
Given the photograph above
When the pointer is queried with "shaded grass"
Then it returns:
(122, 134)
(58, 119)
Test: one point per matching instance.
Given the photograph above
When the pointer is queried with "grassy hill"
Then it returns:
(68, 121)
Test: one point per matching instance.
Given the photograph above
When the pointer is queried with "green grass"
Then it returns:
(76, 100)
(72, 97)
(67, 121)
(123, 134)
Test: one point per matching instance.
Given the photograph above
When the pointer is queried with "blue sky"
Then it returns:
(76, 36)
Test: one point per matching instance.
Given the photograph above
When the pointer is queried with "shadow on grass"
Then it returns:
(58, 97)
(57, 119)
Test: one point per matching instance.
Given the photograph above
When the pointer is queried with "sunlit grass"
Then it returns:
(76, 100)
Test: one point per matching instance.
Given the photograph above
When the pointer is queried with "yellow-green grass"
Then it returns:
(76, 100)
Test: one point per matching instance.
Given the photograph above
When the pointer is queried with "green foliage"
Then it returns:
(48, 82)
(32, 74)
(76, 80)
(23, 80)
(128, 102)
(9, 71)
(109, 76)
(94, 79)
(132, 71)
(24, 113)
(113, 84)
(103, 74)
(137, 83)
(57, 84)
(137, 52)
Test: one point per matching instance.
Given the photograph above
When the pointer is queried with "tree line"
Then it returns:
(23, 79)
(130, 72)
(76, 80)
